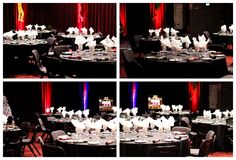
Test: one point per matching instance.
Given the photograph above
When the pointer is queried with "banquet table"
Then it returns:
(139, 144)
(88, 144)
(186, 64)
(222, 38)
(219, 126)
(85, 64)
(11, 133)
(45, 34)
(146, 45)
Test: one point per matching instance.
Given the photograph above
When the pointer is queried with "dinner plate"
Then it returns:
(140, 141)
(168, 140)
(150, 57)
(93, 142)
(125, 140)
(219, 55)
(206, 58)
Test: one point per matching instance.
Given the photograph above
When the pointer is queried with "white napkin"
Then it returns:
(80, 41)
(173, 32)
(135, 122)
(91, 45)
(63, 113)
(36, 26)
(231, 28)
(79, 126)
(176, 45)
(231, 113)
(167, 31)
(91, 31)
(32, 34)
(126, 111)
(4, 118)
(174, 108)
(127, 125)
(223, 28)
(171, 121)
(165, 42)
(64, 108)
(70, 30)
(151, 31)
(157, 32)
(86, 113)
(9, 35)
(59, 109)
(180, 107)
(29, 27)
(207, 114)
(114, 39)
(186, 41)
(20, 34)
(71, 113)
(112, 126)
(134, 111)
(51, 109)
(159, 124)
(43, 27)
(84, 31)
(78, 113)
(47, 110)
(226, 113)
(108, 43)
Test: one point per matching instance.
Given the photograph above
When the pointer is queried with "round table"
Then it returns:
(186, 64)
(88, 145)
(139, 144)
(202, 125)
(147, 45)
(85, 64)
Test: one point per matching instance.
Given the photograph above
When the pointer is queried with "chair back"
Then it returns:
(59, 49)
(164, 151)
(205, 148)
(25, 127)
(210, 134)
(54, 67)
(185, 122)
(40, 139)
(181, 129)
(41, 124)
(57, 133)
(53, 151)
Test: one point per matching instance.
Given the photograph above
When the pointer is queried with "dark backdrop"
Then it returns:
(176, 93)
(25, 97)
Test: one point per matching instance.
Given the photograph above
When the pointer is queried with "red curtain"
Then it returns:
(82, 12)
(102, 17)
(157, 11)
(46, 95)
(194, 95)
(123, 19)
(21, 12)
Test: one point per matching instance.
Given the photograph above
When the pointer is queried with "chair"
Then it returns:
(55, 134)
(42, 70)
(51, 42)
(43, 128)
(135, 43)
(132, 67)
(181, 129)
(59, 49)
(164, 151)
(29, 142)
(40, 139)
(25, 127)
(53, 151)
(203, 150)
(210, 134)
(54, 67)
(12, 144)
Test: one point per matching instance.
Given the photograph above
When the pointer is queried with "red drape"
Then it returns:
(194, 95)
(82, 12)
(46, 95)
(157, 15)
(21, 12)
(123, 19)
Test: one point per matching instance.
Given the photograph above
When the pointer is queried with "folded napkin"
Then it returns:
(180, 107)
(171, 121)
(207, 114)
(79, 126)
(223, 28)
(9, 35)
(112, 126)
(21, 34)
(63, 113)
(59, 109)
(173, 32)
(108, 43)
(134, 111)
(231, 28)
(165, 108)
(51, 109)
(32, 34)
(43, 27)
(157, 32)
(167, 31)
(226, 113)
(176, 45)
(151, 31)
(80, 41)
(86, 113)
(4, 118)
(36, 26)
(70, 113)
(29, 27)
(165, 42)
(231, 113)
(78, 113)
(126, 111)
(114, 39)
(127, 125)
(70, 30)
(174, 108)
(91, 31)
(186, 41)
(84, 31)
(47, 110)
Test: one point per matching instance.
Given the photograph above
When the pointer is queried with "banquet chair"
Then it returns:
(181, 129)
(51, 42)
(43, 128)
(135, 43)
(25, 127)
(40, 139)
(29, 142)
(132, 67)
(164, 151)
(55, 134)
(54, 67)
(59, 49)
(203, 150)
(41, 69)
(53, 151)
(12, 144)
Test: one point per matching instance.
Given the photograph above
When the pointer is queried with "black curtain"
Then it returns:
(9, 16)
